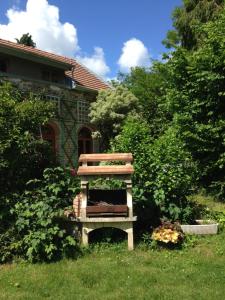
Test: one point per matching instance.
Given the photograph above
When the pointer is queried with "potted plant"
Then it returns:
(168, 234)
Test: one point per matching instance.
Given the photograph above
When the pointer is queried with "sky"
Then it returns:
(107, 36)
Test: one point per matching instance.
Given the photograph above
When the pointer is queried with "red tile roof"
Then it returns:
(79, 73)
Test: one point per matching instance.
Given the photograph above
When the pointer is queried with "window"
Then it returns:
(82, 111)
(85, 144)
(69, 82)
(50, 97)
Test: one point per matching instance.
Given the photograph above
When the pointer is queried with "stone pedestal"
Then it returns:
(122, 172)
(125, 224)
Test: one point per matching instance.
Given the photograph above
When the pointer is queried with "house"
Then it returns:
(62, 80)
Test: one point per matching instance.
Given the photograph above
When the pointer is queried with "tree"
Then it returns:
(110, 110)
(188, 17)
(149, 85)
(196, 98)
(26, 39)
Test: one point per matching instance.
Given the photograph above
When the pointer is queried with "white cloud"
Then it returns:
(41, 20)
(134, 53)
(96, 62)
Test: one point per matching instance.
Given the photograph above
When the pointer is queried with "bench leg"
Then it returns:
(130, 238)
(84, 236)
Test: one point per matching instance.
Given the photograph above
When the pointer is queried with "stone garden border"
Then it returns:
(202, 227)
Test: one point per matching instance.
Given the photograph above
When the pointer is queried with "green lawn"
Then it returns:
(114, 273)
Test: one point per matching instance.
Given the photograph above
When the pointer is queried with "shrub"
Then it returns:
(173, 176)
(21, 116)
(45, 233)
(164, 170)
(10, 243)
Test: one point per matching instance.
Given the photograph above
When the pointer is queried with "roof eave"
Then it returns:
(85, 89)
(35, 57)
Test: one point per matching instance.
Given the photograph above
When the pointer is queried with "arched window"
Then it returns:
(85, 144)
(48, 134)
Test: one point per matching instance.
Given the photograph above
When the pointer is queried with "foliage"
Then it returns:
(149, 85)
(135, 138)
(10, 244)
(178, 138)
(27, 40)
(44, 233)
(195, 97)
(174, 175)
(111, 109)
(188, 17)
(22, 155)
(106, 184)
(164, 170)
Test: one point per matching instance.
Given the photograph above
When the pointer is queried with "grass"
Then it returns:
(111, 272)
(114, 273)
(208, 201)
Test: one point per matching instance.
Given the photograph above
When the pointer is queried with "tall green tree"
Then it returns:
(196, 97)
(188, 17)
(149, 86)
(27, 40)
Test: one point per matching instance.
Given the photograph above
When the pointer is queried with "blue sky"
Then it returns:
(106, 36)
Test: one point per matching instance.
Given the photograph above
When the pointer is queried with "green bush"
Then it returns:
(22, 154)
(45, 234)
(174, 174)
(164, 171)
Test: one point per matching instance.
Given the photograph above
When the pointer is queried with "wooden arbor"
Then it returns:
(98, 216)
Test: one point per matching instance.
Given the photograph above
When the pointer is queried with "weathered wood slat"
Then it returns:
(107, 208)
(126, 157)
(96, 210)
(112, 214)
(105, 170)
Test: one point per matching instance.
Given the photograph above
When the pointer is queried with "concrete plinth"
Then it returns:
(125, 224)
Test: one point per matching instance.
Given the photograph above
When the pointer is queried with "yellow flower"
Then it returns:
(165, 235)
